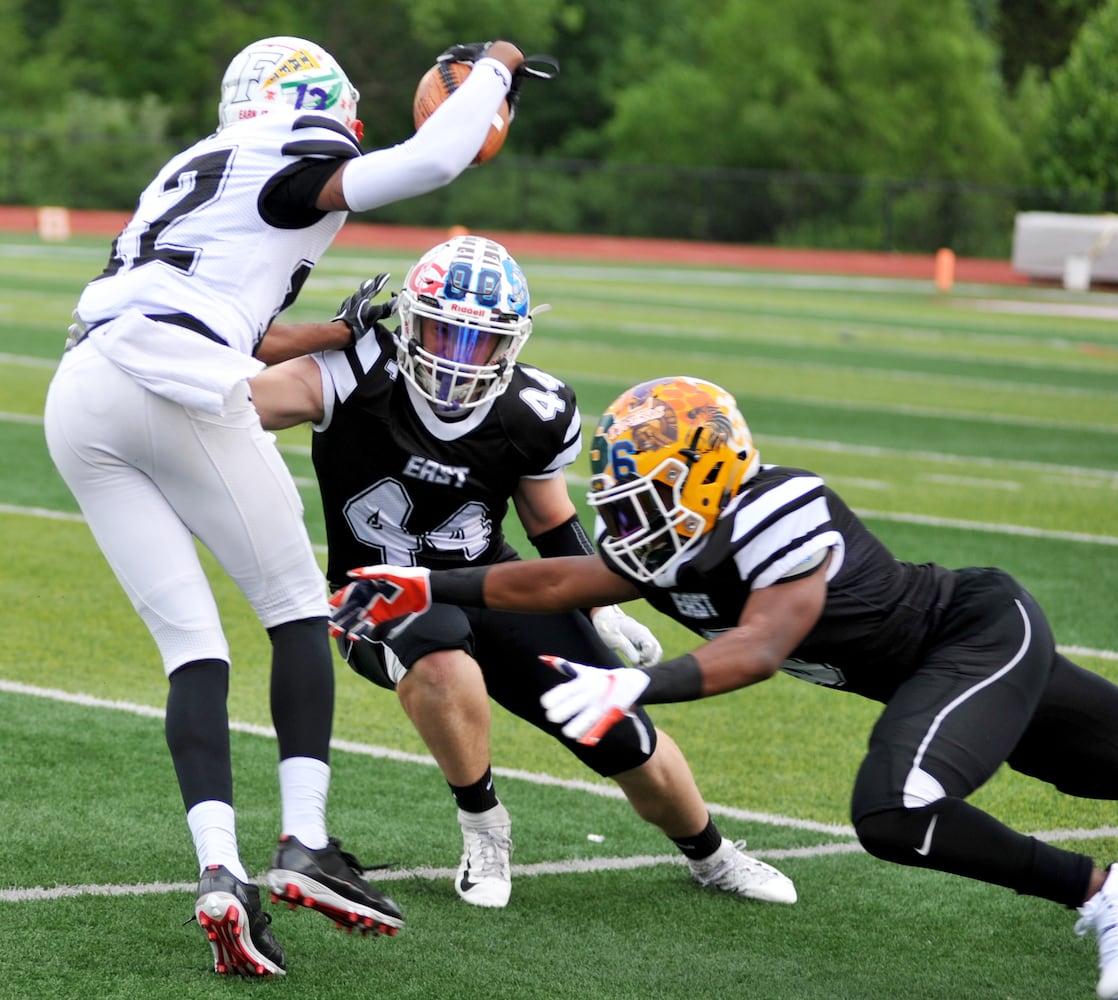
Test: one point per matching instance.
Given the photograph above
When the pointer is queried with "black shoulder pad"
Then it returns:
(345, 147)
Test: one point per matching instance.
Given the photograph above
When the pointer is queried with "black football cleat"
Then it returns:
(230, 913)
(330, 881)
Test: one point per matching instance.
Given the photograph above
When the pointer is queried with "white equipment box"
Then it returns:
(1075, 249)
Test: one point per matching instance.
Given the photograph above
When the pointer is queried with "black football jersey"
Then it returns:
(879, 611)
(401, 485)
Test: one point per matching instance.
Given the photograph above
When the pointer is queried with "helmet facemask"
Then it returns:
(646, 522)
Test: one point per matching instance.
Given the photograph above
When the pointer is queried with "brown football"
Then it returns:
(437, 84)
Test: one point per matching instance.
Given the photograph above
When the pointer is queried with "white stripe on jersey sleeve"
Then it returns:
(338, 380)
(798, 531)
(573, 441)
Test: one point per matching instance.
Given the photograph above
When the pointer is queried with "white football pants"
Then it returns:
(151, 475)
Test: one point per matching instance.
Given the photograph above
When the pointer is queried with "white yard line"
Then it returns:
(609, 791)
(574, 866)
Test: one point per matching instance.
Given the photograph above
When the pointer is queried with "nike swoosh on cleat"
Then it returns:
(926, 847)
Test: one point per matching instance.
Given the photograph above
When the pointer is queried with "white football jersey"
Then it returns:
(198, 246)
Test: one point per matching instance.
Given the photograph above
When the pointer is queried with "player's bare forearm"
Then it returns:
(565, 583)
(773, 623)
(283, 341)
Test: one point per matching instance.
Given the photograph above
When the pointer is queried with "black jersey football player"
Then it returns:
(422, 437)
(770, 566)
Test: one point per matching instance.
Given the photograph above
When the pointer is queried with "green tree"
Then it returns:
(885, 87)
(177, 52)
(1037, 35)
(1076, 144)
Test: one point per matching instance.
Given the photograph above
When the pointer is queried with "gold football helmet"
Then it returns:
(666, 458)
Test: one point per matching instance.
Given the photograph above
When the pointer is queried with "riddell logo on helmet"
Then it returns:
(459, 307)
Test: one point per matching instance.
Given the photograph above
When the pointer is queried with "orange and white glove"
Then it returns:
(379, 594)
(593, 700)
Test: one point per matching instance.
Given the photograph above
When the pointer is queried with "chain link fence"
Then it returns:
(763, 207)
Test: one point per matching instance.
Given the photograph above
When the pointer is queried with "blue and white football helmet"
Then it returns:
(464, 316)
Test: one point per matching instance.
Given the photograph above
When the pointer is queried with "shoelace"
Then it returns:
(493, 848)
(1102, 918)
(356, 866)
(349, 859)
(736, 860)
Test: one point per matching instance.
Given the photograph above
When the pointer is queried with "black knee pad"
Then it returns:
(895, 834)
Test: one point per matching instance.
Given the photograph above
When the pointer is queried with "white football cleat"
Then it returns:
(730, 869)
(1100, 914)
(485, 874)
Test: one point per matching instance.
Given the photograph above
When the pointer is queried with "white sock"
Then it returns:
(303, 783)
(214, 829)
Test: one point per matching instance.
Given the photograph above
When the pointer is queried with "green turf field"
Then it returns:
(979, 427)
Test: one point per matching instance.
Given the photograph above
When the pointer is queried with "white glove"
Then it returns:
(627, 636)
(593, 700)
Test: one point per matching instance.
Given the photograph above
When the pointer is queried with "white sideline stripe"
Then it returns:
(29, 361)
(1100, 654)
(21, 418)
(53, 515)
(875, 451)
(934, 522)
(938, 412)
(388, 753)
(1005, 529)
(950, 522)
(579, 866)
(1008, 529)
(574, 867)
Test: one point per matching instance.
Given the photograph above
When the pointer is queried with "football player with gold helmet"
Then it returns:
(771, 567)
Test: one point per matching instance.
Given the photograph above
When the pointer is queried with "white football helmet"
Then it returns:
(464, 316)
(287, 72)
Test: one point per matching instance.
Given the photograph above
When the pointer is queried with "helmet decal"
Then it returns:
(287, 72)
(666, 458)
(518, 287)
(426, 278)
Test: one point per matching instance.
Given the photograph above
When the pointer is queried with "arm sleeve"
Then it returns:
(438, 152)
(566, 539)
(673, 681)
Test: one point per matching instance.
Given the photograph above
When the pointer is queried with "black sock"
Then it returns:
(702, 845)
(197, 729)
(302, 688)
(479, 796)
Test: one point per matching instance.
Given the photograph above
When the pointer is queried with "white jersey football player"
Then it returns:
(149, 421)
(423, 437)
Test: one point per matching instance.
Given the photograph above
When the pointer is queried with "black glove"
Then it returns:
(542, 67)
(465, 52)
(359, 312)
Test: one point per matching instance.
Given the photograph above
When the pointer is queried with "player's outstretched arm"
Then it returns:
(563, 583)
(773, 623)
(546, 586)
